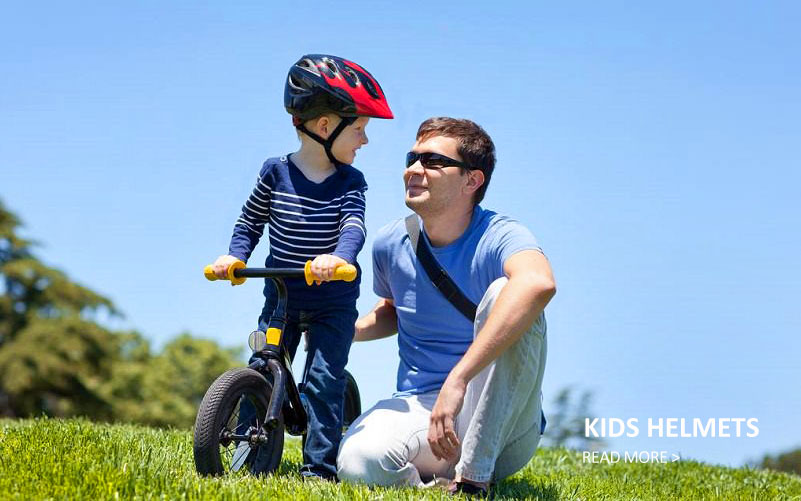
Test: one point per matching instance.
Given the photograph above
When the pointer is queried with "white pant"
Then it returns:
(498, 427)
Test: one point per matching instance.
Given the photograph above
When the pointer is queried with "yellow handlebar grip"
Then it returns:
(346, 272)
(209, 274)
(235, 266)
(309, 274)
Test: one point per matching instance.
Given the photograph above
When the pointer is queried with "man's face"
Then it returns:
(431, 191)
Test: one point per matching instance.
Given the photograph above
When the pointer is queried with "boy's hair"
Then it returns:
(475, 146)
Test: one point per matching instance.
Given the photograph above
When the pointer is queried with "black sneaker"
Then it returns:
(468, 489)
(313, 476)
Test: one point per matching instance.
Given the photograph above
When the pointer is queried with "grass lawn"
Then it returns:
(77, 459)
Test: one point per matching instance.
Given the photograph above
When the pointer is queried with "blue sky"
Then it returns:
(653, 150)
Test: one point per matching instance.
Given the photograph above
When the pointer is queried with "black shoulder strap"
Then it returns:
(442, 281)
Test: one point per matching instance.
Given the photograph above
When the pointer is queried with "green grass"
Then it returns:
(77, 459)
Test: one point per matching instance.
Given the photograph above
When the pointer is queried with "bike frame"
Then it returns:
(274, 358)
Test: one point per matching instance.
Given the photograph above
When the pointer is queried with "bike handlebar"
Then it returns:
(238, 273)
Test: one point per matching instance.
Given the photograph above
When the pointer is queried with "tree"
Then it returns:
(53, 355)
(30, 289)
(166, 389)
(789, 462)
(57, 359)
(566, 422)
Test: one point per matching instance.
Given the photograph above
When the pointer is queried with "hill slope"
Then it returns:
(78, 459)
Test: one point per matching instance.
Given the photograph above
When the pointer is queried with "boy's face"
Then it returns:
(349, 140)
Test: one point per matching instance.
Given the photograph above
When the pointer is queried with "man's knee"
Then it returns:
(535, 333)
(352, 463)
(367, 461)
(488, 300)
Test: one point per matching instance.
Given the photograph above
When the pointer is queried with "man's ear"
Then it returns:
(475, 179)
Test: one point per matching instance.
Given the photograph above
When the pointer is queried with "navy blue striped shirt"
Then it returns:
(305, 219)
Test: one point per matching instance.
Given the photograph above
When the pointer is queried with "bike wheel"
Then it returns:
(352, 407)
(236, 403)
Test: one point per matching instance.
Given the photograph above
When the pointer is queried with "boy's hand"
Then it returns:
(324, 266)
(220, 266)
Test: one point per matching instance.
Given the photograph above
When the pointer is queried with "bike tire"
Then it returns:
(352, 407)
(226, 406)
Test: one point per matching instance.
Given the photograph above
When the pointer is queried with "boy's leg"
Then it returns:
(500, 420)
(387, 445)
(330, 336)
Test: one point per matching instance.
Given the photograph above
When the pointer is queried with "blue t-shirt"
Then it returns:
(432, 334)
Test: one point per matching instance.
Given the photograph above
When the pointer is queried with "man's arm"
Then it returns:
(381, 322)
(531, 286)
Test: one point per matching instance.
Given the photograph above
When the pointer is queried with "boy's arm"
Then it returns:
(381, 322)
(249, 227)
(352, 230)
(351, 236)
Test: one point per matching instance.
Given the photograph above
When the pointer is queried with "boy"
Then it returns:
(313, 202)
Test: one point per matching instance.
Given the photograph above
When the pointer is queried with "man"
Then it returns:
(468, 405)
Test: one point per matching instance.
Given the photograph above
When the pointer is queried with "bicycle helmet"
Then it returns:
(318, 84)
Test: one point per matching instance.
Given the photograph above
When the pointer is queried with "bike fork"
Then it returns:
(284, 399)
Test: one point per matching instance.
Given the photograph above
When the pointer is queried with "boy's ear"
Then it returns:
(314, 125)
(322, 126)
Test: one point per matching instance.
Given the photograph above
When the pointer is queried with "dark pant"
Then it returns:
(331, 332)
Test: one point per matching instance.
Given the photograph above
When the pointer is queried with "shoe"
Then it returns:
(468, 489)
(312, 476)
(438, 483)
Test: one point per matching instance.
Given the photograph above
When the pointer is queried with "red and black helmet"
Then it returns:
(319, 84)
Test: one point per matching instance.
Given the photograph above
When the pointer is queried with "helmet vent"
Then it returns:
(294, 83)
(351, 77)
(330, 68)
(370, 88)
(308, 65)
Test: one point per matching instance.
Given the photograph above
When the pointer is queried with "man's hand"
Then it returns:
(441, 433)
(325, 265)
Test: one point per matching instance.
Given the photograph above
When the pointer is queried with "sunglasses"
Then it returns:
(433, 161)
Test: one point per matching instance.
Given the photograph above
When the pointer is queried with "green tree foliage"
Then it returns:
(789, 462)
(57, 359)
(31, 290)
(566, 424)
(53, 355)
(166, 389)
(56, 367)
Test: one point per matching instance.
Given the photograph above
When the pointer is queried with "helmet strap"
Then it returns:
(327, 143)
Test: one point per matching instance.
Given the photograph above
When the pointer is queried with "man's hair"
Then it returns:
(475, 145)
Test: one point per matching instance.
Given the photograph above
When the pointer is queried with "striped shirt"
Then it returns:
(305, 219)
